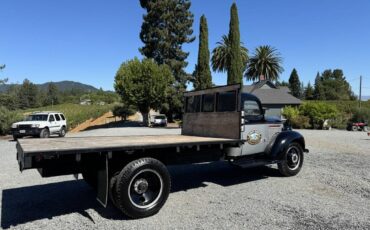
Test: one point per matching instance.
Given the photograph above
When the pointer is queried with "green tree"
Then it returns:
(282, 83)
(309, 92)
(143, 84)
(295, 84)
(202, 74)
(167, 26)
(235, 70)
(123, 111)
(318, 112)
(319, 90)
(221, 55)
(265, 64)
(52, 94)
(3, 81)
(28, 95)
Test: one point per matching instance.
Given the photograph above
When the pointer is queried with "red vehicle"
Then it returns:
(358, 126)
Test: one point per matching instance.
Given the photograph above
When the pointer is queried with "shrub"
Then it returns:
(123, 111)
(361, 115)
(300, 122)
(290, 112)
(318, 112)
(7, 118)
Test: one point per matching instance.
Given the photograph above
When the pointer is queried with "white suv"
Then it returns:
(41, 124)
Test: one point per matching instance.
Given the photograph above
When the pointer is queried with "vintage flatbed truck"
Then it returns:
(221, 123)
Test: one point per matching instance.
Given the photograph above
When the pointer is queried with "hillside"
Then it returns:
(61, 85)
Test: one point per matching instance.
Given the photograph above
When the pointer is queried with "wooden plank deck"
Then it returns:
(32, 146)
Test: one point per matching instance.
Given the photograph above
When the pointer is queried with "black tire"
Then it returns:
(354, 128)
(45, 133)
(292, 160)
(112, 189)
(142, 187)
(62, 132)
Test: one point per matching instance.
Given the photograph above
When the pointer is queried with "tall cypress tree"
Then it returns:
(202, 76)
(167, 26)
(235, 72)
(295, 84)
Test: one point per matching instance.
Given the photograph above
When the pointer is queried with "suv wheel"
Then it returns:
(45, 133)
(62, 132)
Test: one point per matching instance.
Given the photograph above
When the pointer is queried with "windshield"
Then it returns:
(38, 117)
(159, 117)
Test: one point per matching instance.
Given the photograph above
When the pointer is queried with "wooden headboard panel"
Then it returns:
(213, 124)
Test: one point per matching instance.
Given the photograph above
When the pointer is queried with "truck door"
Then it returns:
(255, 131)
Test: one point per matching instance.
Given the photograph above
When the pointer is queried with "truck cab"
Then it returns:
(228, 112)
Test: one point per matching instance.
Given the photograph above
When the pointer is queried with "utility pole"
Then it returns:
(359, 99)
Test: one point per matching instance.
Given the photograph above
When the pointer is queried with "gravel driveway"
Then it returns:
(331, 192)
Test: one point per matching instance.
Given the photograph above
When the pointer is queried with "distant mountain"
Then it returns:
(61, 85)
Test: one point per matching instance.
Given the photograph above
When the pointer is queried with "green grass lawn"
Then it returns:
(75, 113)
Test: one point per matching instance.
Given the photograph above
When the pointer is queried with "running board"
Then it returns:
(250, 163)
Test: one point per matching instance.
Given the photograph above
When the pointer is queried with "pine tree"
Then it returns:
(319, 93)
(52, 95)
(167, 26)
(309, 92)
(202, 76)
(295, 84)
(235, 72)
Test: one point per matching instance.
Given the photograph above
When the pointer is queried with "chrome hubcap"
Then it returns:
(293, 158)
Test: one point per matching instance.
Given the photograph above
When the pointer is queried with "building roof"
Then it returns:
(269, 93)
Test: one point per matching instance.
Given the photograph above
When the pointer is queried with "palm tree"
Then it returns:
(221, 55)
(265, 64)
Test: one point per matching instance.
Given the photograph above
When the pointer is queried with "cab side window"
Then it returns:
(51, 118)
(62, 116)
(226, 101)
(252, 111)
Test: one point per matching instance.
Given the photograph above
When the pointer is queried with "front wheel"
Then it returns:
(44, 133)
(292, 160)
(142, 187)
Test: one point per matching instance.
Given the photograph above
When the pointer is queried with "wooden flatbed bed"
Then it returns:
(68, 145)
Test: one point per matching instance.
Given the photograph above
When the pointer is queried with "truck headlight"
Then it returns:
(14, 126)
(35, 125)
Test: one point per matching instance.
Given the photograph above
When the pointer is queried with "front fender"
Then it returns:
(282, 142)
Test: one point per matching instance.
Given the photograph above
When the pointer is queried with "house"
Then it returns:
(273, 98)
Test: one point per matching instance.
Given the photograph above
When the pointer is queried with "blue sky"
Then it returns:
(87, 41)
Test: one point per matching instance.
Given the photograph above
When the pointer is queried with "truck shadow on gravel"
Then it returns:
(27, 204)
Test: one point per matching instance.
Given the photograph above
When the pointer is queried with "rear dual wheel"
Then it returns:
(141, 188)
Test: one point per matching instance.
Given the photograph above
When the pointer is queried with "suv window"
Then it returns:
(62, 116)
(226, 101)
(57, 117)
(51, 118)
